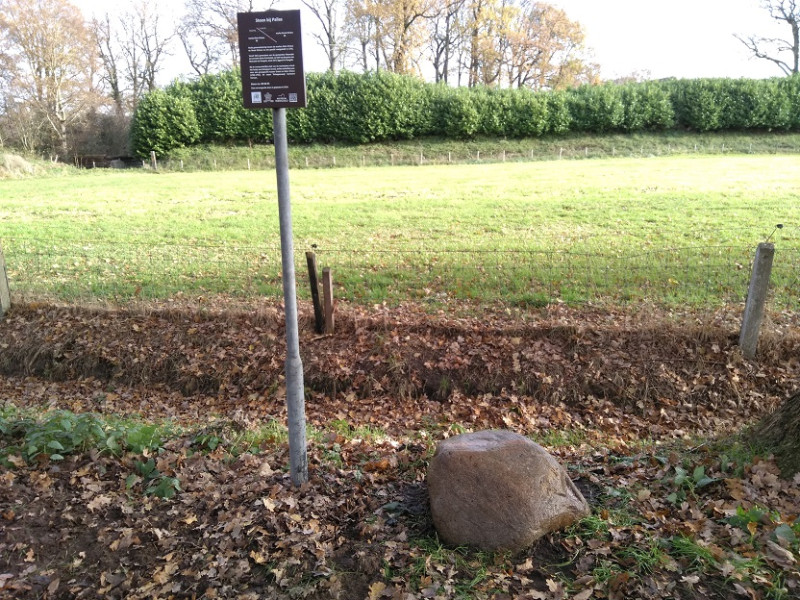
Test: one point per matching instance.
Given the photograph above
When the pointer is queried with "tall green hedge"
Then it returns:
(163, 121)
(355, 108)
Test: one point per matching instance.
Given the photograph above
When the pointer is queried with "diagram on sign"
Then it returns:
(271, 57)
(267, 36)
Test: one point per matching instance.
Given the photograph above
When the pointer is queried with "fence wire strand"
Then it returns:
(111, 271)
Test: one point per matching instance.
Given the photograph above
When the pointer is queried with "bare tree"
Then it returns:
(204, 55)
(153, 41)
(362, 33)
(208, 32)
(109, 55)
(446, 34)
(132, 47)
(48, 70)
(784, 52)
(332, 39)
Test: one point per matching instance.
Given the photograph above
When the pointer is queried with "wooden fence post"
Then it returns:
(327, 294)
(153, 161)
(756, 299)
(311, 260)
(5, 292)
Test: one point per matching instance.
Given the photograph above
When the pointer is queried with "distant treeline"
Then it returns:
(374, 107)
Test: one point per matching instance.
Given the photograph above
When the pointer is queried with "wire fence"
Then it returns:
(699, 276)
(300, 157)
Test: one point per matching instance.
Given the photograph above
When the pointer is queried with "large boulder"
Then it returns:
(499, 490)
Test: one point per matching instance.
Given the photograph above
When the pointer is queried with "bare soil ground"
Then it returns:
(642, 407)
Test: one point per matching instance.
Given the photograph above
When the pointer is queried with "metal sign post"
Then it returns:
(295, 400)
(272, 77)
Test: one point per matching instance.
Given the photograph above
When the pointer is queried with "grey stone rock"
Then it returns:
(499, 490)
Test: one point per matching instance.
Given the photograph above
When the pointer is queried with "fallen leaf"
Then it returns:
(584, 595)
(98, 502)
(53, 586)
(780, 555)
(376, 590)
(16, 460)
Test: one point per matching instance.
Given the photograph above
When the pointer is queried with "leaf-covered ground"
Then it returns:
(142, 453)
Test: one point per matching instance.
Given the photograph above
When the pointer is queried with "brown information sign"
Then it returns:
(271, 53)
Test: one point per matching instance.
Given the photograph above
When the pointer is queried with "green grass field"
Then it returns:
(671, 229)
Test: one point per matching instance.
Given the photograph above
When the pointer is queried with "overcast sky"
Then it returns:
(679, 38)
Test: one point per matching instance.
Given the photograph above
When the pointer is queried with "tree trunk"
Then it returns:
(780, 431)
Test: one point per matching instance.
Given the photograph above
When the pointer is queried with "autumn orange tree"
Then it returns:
(48, 63)
(399, 31)
(515, 43)
(525, 43)
(545, 49)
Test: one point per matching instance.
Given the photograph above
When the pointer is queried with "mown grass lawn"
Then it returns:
(390, 224)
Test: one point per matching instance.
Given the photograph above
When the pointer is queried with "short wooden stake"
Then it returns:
(248, 164)
(153, 162)
(756, 299)
(327, 297)
(5, 292)
(311, 260)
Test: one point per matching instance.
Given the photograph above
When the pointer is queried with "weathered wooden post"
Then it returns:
(319, 319)
(5, 292)
(756, 299)
(327, 296)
